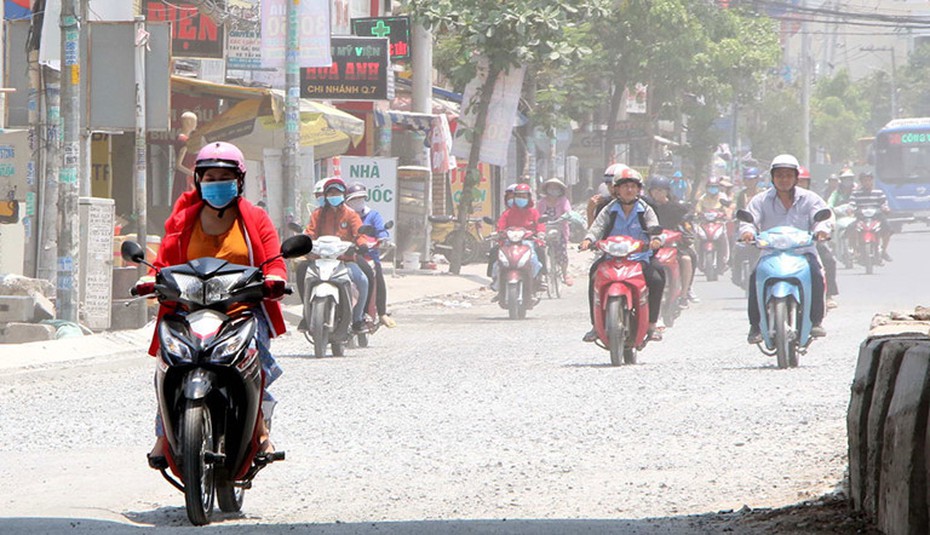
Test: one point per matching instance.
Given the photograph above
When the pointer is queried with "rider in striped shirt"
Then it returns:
(868, 196)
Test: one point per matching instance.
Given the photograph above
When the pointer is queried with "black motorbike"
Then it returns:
(209, 378)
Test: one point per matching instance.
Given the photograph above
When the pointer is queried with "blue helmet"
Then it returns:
(751, 173)
(660, 182)
(677, 174)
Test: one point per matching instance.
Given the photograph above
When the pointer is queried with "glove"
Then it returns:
(144, 286)
(275, 287)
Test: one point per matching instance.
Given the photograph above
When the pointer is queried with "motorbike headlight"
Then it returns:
(189, 287)
(227, 348)
(174, 347)
(217, 288)
(869, 212)
(515, 235)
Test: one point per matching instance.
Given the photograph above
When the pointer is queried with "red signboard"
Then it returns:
(193, 34)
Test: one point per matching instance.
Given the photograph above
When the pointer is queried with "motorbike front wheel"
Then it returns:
(616, 325)
(319, 312)
(710, 270)
(514, 305)
(196, 440)
(785, 335)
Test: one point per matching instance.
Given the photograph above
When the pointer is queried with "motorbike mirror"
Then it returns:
(295, 246)
(744, 216)
(823, 215)
(132, 252)
(368, 230)
(488, 220)
(295, 227)
(389, 225)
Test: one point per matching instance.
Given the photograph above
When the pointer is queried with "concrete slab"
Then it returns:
(17, 309)
(20, 333)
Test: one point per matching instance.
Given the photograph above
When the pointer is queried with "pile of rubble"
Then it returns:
(24, 304)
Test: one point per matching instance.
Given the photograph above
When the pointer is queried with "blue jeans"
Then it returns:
(361, 284)
(270, 368)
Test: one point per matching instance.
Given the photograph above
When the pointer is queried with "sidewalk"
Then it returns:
(404, 286)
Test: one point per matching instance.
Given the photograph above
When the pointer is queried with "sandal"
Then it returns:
(654, 335)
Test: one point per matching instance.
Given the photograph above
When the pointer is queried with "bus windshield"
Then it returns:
(898, 162)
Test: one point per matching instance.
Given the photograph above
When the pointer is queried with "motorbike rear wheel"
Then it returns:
(196, 440)
(785, 346)
(616, 324)
(470, 249)
(319, 312)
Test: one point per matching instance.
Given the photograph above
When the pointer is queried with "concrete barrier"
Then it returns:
(17, 308)
(20, 333)
(887, 429)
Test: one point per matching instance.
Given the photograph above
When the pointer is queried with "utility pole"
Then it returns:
(422, 102)
(141, 197)
(32, 220)
(68, 238)
(805, 91)
(894, 74)
(291, 113)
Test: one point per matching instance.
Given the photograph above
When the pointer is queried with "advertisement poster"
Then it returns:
(313, 33)
(193, 34)
(502, 115)
(379, 175)
(482, 203)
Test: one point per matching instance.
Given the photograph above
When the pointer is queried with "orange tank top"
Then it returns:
(229, 246)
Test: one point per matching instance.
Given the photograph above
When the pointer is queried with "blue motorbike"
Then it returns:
(783, 290)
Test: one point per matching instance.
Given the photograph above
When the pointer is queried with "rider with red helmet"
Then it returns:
(524, 215)
(628, 215)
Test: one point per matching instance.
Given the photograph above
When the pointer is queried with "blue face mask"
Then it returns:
(521, 203)
(713, 190)
(219, 194)
(509, 202)
(335, 200)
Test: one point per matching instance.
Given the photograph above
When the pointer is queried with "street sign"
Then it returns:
(397, 29)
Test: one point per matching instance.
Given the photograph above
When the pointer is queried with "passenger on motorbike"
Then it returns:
(628, 215)
(750, 187)
(681, 188)
(674, 214)
(604, 192)
(357, 199)
(334, 218)
(827, 258)
(554, 203)
(715, 200)
(214, 220)
(843, 190)
(868, 196)
(787, 205)
(523, 215)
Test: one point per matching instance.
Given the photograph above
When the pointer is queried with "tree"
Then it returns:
(838, 116)
(507, 35)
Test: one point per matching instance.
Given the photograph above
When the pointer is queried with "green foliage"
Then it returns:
(914, 85)
(838, 116)
(776, 129)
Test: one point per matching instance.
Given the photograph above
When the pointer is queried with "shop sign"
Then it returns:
(397, 29)
(193, 34)
(360, 71)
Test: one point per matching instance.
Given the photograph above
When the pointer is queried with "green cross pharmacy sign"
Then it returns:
(397, 29)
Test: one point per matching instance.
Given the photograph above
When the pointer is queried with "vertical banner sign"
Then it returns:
(15, 159)
(441, 159)
(244, 36)
(502, 115)
(482, 205)
(379, 175)
(193, 34)
(396, 29)
(359, 71)
(313, 33)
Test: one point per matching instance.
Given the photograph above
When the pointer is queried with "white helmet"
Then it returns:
(620, 173)
(787, 161)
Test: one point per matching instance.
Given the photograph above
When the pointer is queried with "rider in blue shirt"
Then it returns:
(357, 199)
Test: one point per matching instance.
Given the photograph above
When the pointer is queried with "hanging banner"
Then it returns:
(360, 70)
(482, 204)
(379, 175)
(502, 115)
(313, 33)
(193, 34)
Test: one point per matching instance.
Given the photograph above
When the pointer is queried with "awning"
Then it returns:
(257, 122)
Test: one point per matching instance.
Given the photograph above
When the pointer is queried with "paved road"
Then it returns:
(461, 418)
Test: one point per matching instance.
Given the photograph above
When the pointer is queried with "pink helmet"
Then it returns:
(220, 154)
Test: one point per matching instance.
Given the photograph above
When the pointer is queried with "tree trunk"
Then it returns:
(472, 175)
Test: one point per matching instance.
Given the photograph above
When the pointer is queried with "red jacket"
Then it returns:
(261, 237)
(527, 218)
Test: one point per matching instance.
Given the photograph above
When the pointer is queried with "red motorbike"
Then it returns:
(868, 237)
(711, 231)
(621, 304)
(667, 257)
(516, 280)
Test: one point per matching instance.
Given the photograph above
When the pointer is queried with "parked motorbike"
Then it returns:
(711, 230)
(783, 289)
(621, 300)
(868, 237)
(209, 377)
(329, 296)
(372, 320)
(444, 229)
(516, 281)
(667, 257)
